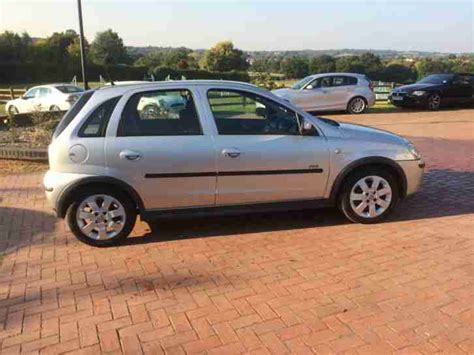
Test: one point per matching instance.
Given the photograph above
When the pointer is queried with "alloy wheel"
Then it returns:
(357, 105)
(370, 196)
(100, 217)
(434, 102)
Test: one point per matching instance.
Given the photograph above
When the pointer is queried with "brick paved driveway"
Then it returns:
(295, 282)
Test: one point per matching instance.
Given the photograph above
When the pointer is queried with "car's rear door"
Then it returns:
(261, 156)
(163, 149)
(341, 91)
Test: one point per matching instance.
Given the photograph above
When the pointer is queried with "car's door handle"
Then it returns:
(130, 155)
(231, 152)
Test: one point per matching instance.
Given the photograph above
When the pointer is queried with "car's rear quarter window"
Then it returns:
(73, 111)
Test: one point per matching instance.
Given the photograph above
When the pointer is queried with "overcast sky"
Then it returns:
(445, 26)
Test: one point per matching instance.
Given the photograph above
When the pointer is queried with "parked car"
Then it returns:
(53, 97)
(231, 148)
(435, 91)
(331, 92)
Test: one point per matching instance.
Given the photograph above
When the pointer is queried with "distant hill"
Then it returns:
(384, 53)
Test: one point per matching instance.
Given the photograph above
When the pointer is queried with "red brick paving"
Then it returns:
(297, 282)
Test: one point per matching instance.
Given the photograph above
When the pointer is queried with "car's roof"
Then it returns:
(53, 85)
(124, 87)
(345, 74)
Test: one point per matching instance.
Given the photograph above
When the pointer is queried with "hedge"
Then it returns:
(161, 73)
(30, 73)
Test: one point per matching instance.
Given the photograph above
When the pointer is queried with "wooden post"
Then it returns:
(12, 95)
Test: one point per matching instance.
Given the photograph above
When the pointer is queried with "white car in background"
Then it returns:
(331, 92)
(53, 97)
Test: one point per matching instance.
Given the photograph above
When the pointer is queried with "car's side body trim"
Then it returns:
(367, 161)
(235, 173)
(230, 210)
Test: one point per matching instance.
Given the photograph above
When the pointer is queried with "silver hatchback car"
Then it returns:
(331, 92)
(206, 147)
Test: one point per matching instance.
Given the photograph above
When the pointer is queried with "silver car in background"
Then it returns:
(227, 147)
(331, 92)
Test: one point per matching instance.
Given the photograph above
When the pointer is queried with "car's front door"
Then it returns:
(315, 96)
(462, 88)
(261, 156)
(28, 100)
(162, 149)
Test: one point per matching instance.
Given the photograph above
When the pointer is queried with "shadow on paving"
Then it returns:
(21, 227)
(444, 193)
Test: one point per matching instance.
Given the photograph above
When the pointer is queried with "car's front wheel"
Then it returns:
(101, 218)
(54, 108)
(12, 111)
(434, 102)
(356, 105)
(369, 196)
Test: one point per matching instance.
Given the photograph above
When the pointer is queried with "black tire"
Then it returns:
(130, 216)
(353, 107)
(434, 102)
(54, 108)
(344, 202)
(12, 111)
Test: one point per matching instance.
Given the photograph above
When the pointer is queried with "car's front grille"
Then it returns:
(398, 93)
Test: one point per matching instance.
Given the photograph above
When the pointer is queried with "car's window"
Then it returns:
(31, 93)
(96, 123)
(301, 83)
(160, 113)
(43, 92)
(73, 111)
(323, 82)
(243, 113)
(437, 79)
(463, 80)
(69, 89)
(344, 81)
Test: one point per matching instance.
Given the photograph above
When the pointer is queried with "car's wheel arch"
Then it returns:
(369, 162)
(67, 196)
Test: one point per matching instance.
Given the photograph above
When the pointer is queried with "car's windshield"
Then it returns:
(299, 84)
(436, 79)
(69, 89)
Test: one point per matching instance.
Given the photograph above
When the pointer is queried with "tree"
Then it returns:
(224, 57)
(428, 66)
(349, 64)
(150, 60)
(13, 47)
(371, 64)
(295, 67)
(108, 48)
(397, 73)
(322, 64)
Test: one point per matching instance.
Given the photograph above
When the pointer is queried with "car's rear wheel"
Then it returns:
(54, 108)
(434, 102)
(356, 105)
(12, 111)
(101, 218)
(369, 196)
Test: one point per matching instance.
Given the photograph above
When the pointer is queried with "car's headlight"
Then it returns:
(418, 93)
(412, 149)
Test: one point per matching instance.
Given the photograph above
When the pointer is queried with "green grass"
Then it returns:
(2, 109)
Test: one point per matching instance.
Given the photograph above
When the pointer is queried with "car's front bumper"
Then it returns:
(414, 170)
(407, 100)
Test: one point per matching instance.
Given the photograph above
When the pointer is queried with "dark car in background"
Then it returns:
(435, 91)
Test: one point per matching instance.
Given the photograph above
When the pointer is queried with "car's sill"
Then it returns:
(234, 209)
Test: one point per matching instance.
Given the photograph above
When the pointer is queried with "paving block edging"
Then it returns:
(18, 153)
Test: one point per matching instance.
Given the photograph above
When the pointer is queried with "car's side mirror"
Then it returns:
(306, 127)
(309, 87)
